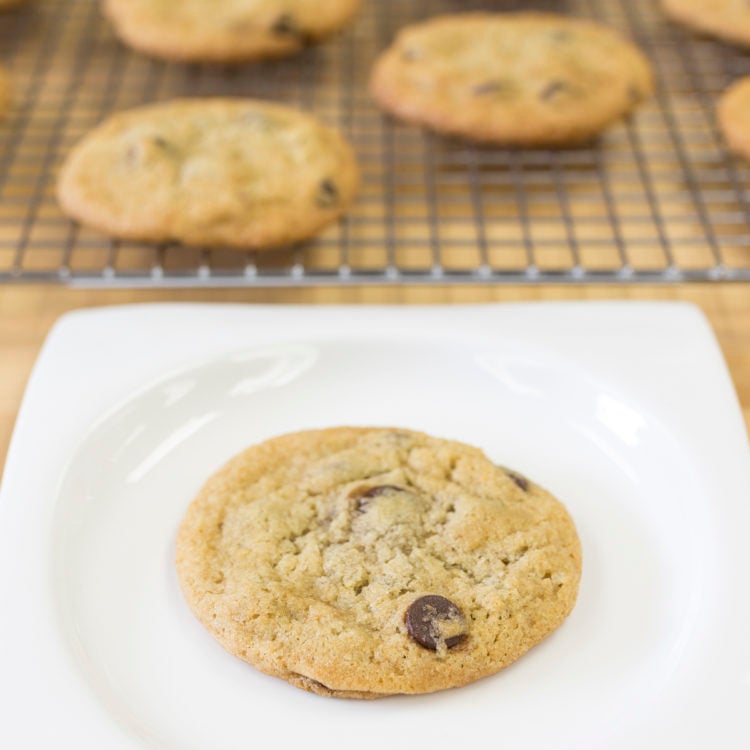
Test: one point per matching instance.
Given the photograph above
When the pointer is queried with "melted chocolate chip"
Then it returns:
(285, 25)
(553, 89)
(433, 621)
(489, 88)
(328, 194)
(382, 489)
(519, 479)
(161, 142)
(307, 683)
(364, 494)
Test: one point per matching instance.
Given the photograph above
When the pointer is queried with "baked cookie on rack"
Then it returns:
(532, 79)
(4, 92)
(226, 31)
(725, 19)
(210, 172)
(359, 563)
(733, 112)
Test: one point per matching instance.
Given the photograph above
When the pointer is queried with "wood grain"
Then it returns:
(28, 312)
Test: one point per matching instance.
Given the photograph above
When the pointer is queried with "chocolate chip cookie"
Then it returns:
(733, 113)
(4, 92)
(210, 172)
(358, 563)
(530, 79)
(226, 30)
(725, 19)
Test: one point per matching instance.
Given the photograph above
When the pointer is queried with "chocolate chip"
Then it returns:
(382, 489)
(492, 87)
(161, 142)
(434, 621)
(365, 494)
(285, 25)
(519, 479)
(328, 194)
(307, 683)
(553, 89)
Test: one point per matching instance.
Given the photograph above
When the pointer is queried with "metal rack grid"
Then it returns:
(659, 199)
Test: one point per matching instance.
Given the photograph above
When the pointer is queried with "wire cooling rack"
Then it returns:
(659, 199)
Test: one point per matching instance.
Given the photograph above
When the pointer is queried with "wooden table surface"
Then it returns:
(28, 312)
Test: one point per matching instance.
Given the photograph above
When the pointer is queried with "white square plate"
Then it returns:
(625, 411)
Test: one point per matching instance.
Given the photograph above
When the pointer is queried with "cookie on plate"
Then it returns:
(733, 113)
(221, 172)
(725, 19)
(531, 79)
(226, 31)
(358, 563)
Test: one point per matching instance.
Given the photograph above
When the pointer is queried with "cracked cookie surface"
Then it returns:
(530, 79)
(226, 30)
(356, 562)
(217, 172)
(725, 19)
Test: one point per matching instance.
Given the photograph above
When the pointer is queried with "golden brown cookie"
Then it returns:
(5, 90)
(726, 19)
(733, 113)
(359, 563)
(214, 172)
(226, 30)
(531, 79)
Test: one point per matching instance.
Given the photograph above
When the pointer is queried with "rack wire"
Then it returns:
(658, 199)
